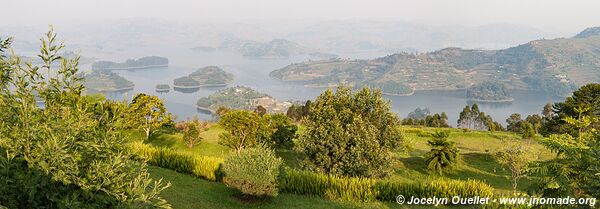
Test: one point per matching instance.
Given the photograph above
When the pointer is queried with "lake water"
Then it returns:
(254, 73)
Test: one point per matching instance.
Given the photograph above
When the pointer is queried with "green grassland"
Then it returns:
(476, 147)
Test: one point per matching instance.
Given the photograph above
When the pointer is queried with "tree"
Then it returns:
(514, 123)
(588, 97)
(148, 113)
(280, 131)
(260, 110)
(191, 131)
(443, 155)
(536, 121)
(69, 153)
(253, 171)
(350, 134)
(527, 130)
(243, 129)
(516, 157)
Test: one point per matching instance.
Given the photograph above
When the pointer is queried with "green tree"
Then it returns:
(191, 131)
(70, 153)
(243, 129)
(147, 113)
(351, 134)
(253, 171)
(514, 123)
(280, 131)
(527, 130)
(515, 156)
(443, 155)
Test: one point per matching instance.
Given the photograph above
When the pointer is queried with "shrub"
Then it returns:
(201, 166)
(388, 190)
(253, 171)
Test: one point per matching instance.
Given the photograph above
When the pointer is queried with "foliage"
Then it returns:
(527, 130)
(443, 155)
(366, 190)
(423, 117)
(514, 122)
(253, 171)
(191, 131)
(238, 97)
(131, 63)
(243, 128)
(394, 87)
(69, 153)
(575, 169)
(210, 75)
(350, 133)
(279, 130)
(587, 97)
(201, 166)
(99, 81)
(298, 111)
(147, 113)
(488, 91)
(516, 157)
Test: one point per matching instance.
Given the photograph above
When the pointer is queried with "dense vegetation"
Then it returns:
(206, 76)
(488, 91)
(238, 97)
(423, 117)
(144, 62)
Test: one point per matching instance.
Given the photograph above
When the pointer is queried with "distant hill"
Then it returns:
(555, 66)
(588, 32)
(131, 64)
(276, 48)
(106, 81)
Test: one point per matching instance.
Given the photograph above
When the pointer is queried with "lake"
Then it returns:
(254, 73)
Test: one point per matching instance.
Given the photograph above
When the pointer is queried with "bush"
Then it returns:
(253, 171)
(201, 166)
(365, 190)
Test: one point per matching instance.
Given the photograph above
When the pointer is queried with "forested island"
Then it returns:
(241, 97)
(489, 92)
(204, 77)
(132, 64)
(106, 81)
(555, 66)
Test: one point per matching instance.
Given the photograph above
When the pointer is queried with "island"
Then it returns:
(132, 64)
(555, 67)
(489, 92)
(241, 97)
(275, 49)
(106, 81)
(211, 76)
(163, 88)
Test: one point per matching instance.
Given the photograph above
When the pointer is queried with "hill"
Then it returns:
(132, 64)
(276, 48)
(555, 66)
(206, 76)
(241, 97)
(106, 81)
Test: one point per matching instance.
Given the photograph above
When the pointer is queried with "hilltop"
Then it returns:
(241, 97)
(106, 81)
(206, 76)
(555, 66)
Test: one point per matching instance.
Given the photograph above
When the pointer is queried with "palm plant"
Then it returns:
(443, 155)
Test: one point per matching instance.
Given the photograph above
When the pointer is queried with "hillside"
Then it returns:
(206, 76)
(130, 64)
(241, 97)
(106, 81)
(555, 66)
(276, 48)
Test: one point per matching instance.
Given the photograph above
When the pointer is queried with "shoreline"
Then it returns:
(206, 109)
(134, 68)
(115, 90)
(491, 101)
(200, 86)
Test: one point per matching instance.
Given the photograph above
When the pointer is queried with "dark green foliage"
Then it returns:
(443, 155)
(298, 111)
(488, 91)
(423, 117)
(588, 97)
(253, 171)
(350, 133)
(201, 166)
(70, 153)
(365, 190)
(280, 131)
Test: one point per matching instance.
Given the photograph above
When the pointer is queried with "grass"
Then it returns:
(476, 148)
(193, 193)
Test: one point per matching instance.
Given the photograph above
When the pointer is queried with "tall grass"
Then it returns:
(201, 166)
(365, 190)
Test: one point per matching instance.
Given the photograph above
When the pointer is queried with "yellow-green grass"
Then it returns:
(188, 192)
(208, 144)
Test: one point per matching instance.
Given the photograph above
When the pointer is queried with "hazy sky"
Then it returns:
(550, 14)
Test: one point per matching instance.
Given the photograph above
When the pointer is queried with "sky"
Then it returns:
(572, 15)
